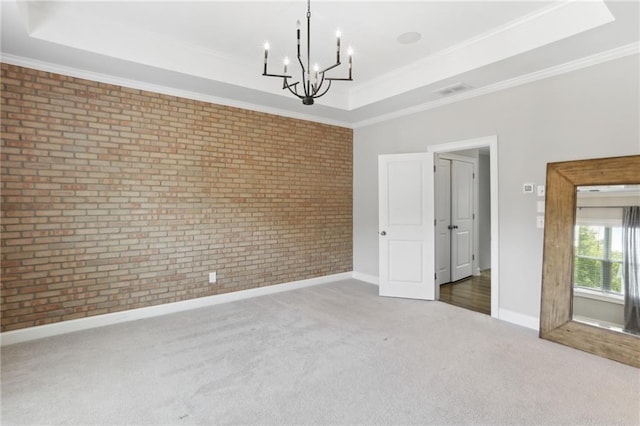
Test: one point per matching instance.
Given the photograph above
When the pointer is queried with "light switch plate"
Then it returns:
(540, 189)
(540, 222)
(527, 188)
(540, 206)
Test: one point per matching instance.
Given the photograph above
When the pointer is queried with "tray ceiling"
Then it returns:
(213, 49)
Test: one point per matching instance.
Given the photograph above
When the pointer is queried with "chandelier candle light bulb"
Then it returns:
(304, 89)
(350, 53)
(298, 35)
(316, 68)
(266, 55)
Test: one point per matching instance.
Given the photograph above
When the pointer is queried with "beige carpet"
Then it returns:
(329, 354)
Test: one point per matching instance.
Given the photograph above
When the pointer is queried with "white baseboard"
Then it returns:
(503, 314)
(371, 279)
(519, 319)
(48, 330)
(63, 327)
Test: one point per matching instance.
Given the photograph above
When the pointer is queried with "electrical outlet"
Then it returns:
(212, 277)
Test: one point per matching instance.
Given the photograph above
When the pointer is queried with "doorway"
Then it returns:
(406, 221)
(480, 291)
(456, 208)
(461, 186)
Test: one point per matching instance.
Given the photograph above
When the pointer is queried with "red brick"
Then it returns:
(116, 198)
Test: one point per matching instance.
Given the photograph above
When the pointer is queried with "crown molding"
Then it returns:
(550, 24)
(609, 55)
(156, 88)
(588, 61)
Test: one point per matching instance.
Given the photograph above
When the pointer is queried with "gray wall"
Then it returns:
(587, 113)
(484, 212)
(599, 310)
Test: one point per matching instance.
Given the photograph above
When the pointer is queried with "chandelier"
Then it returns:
(305, 88)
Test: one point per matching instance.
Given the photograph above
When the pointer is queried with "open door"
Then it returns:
(462, 217)
(406, 226)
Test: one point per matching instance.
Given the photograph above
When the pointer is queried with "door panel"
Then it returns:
(406, 228)
(405, 200)
(462, 254)
(405, 261)
(462, 218)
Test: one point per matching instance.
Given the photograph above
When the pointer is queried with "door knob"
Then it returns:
(383, 233)
(455, 226)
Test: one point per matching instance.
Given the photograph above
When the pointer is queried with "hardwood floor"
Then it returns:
(472, 293)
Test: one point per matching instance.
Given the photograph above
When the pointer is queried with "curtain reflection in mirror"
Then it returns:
(631, 268)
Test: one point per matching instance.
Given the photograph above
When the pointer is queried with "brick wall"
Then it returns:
(115, 198)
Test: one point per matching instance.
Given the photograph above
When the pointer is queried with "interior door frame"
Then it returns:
(492, 143)
(475, 269)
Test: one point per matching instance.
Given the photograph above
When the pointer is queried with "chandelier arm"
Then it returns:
(325, 90)
(266, 73)
(331, 67)
(302, 66)
(277, 75)
(304, 71)
(287, 86)
(342, 78)
(317, 87)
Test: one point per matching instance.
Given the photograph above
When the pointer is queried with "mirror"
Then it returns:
(602, 246)
(557, 320)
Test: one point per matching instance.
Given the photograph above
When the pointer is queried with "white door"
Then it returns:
(406, 226)
(462, 219)
(443, 221)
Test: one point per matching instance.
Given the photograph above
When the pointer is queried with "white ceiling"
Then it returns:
(213, 50)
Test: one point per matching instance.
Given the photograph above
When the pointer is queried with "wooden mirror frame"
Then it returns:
(556, 308)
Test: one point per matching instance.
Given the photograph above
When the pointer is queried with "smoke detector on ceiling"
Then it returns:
(409, 38)
(451, 89)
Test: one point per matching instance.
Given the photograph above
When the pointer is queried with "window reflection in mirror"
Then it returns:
(600, 245)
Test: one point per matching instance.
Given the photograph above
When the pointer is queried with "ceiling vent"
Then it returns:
(451, 89)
